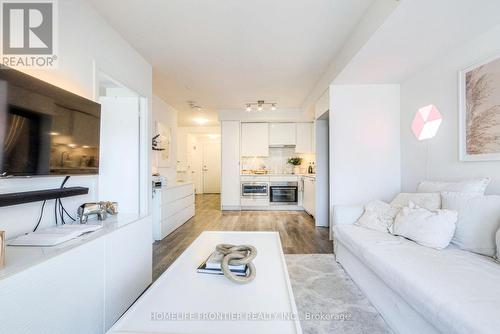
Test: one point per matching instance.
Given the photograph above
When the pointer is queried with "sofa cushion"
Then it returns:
(475, 186)
(478, 221)
(378, 216)
(498, 245)
(455, 290)
(429, 201)
(427, 228)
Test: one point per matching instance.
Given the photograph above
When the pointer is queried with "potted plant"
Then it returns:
(295, 162)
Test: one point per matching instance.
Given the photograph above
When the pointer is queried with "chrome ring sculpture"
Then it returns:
(236, 256)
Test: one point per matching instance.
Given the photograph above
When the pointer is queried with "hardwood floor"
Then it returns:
(297, 231)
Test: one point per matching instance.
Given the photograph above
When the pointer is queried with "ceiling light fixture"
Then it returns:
(194, 106)
(260, 104)
(200, 121)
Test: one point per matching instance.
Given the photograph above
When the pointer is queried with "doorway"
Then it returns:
(122, 129)
(211, 167)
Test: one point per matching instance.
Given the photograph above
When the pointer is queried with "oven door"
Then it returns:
(284, 195)
(254, 189)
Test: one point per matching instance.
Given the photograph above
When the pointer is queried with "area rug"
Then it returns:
(327, 300)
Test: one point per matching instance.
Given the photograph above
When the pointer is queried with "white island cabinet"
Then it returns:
(173, 205)
(81, 286)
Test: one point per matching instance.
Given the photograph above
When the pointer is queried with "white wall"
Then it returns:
(364, 143)
(86, 42)
(166, 114)
(438, 85)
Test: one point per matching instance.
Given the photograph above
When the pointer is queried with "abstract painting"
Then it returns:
(164, 142)
(480, 112)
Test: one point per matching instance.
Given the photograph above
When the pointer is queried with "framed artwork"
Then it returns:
(479, 110)
(164, 143)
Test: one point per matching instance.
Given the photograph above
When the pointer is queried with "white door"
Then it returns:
(119, 159)
(211, 168)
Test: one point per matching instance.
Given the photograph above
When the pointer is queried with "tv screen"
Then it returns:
(46, 130)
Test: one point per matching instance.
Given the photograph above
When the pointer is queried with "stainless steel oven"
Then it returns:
(254, 189)
(284, 193)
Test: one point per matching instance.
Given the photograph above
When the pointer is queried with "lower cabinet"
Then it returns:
(84, 290)
(172, 207)
(309, 197)
(128, 268)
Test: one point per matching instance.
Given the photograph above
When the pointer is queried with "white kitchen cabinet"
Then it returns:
(281, 134)
(309, 196)
(254, 139)
(304, 138)
(173, 205)
(230, 165)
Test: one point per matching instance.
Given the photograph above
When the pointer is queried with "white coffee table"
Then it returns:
(201, 301)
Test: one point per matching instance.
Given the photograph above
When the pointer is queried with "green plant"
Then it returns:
(296, 161)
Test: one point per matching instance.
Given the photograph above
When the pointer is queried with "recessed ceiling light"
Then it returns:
(200, 121)
(54, 133)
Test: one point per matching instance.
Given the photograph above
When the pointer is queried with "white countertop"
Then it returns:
(19, 258)
(271, 175)
(176, 184)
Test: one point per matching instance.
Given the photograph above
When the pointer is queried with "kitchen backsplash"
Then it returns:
(276, 162)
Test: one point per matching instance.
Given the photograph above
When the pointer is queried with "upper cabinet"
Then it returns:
(281, 134)
(255, 139)
(305, 138)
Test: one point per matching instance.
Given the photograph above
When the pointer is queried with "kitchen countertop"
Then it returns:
(19, 258)
(298, 175)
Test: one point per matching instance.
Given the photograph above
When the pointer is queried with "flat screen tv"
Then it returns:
(46, 130)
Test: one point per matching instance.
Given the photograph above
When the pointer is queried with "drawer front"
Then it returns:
(254, 201)
(173, 194)
(172, 208)
(168, 225)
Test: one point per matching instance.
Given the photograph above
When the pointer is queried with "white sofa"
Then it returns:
(415, 288)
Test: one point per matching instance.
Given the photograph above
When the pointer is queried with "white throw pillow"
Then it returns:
(476, 186)
(478, 221)
(378, 216)
(429, 201)
(433, 229)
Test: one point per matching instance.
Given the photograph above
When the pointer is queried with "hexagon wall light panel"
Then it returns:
(426, 122)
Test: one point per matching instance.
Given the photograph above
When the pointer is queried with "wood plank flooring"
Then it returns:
(297, 231)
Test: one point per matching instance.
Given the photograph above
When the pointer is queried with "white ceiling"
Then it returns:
(417, 33)
(224, 53)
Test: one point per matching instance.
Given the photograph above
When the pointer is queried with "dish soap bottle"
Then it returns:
(310, 169)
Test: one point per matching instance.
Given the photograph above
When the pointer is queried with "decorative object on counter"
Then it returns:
(295, 162)
(101, 209)
(235, 262)
(2, 249)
